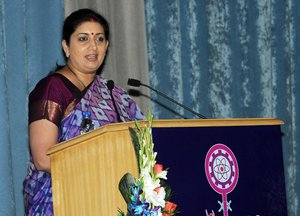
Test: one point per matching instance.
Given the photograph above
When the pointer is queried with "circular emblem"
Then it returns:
(221, 168)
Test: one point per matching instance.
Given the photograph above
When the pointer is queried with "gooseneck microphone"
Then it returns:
(137, 83)
(110, 85)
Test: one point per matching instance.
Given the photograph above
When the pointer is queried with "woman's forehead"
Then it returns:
(87, 27)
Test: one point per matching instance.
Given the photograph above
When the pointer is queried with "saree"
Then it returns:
(98, 103)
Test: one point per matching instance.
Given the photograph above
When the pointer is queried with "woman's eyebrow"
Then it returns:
(85, 33)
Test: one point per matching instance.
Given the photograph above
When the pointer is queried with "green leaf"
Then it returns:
(124, 186)
(136, 145)
(168, 190)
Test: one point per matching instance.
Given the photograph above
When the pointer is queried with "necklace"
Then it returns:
(84, 86)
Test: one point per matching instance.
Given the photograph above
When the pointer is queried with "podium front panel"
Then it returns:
(86, 173)
(260, 187)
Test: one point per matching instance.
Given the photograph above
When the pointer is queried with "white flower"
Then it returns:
(149, 183)
(161, 197)
(149, 186)
(162, 174)
(157, 199)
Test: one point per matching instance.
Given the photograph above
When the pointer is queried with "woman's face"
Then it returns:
(87, 48)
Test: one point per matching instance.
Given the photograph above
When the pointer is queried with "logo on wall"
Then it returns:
(222, 173)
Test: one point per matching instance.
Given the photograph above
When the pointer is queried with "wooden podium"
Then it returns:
(86, 170)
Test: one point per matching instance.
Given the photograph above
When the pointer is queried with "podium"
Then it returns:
(86, 170)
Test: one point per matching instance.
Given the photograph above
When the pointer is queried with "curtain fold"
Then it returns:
(229, 59)
(29, 48)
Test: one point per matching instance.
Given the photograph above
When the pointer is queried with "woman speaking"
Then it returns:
(71, 101)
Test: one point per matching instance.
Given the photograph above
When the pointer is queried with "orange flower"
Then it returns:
(170, 207)
(166, 214)
(158, 168)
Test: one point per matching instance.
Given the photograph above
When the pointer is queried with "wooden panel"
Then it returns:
(86, 176)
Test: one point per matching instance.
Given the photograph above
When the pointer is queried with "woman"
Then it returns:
(72, 96)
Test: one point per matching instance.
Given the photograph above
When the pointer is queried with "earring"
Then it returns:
(67, 55)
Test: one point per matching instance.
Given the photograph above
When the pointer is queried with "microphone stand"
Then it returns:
(174, 101)
(110, 86)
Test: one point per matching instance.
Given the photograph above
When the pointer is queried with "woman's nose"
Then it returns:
(93, 44)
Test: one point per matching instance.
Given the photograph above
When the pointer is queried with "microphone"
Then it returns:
(110, 85)
(137, 83)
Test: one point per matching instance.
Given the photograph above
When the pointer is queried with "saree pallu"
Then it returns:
(98, 102)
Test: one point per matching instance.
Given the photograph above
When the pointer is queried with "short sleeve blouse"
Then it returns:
(51, 97)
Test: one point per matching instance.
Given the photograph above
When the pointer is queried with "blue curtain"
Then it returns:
(230, 59)
(30, 41)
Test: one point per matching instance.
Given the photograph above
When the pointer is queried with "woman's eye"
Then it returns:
(100, 39)
(83, 39)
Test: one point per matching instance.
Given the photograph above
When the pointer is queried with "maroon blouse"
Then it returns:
(53, 98)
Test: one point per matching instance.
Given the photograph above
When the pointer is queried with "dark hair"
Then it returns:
(78, 17)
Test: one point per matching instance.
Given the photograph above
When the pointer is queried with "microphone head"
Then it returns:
(134, 82)
(110, 85)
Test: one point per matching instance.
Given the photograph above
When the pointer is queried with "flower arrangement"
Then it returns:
(149, 195)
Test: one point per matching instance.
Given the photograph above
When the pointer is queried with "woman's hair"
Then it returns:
(78, 17)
